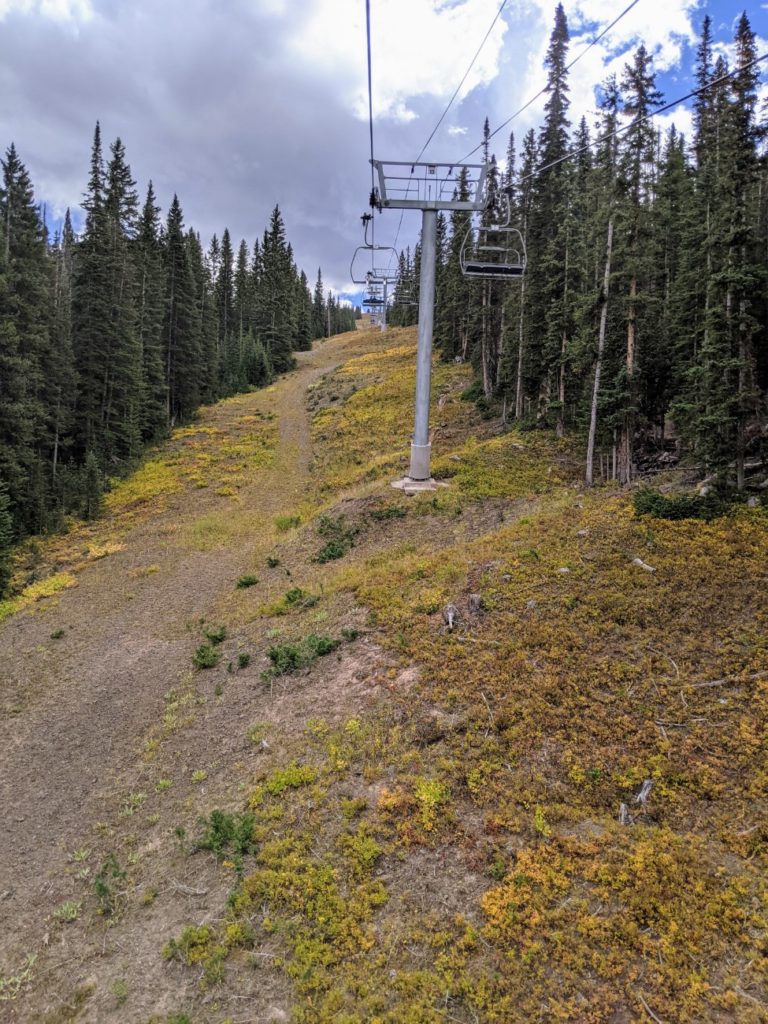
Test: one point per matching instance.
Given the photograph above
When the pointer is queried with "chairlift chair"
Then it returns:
(405, 293)
(359, 276)
(374, 296)
(495, 252)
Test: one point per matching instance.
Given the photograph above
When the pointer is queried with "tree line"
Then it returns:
(641, 318)
(111, 337)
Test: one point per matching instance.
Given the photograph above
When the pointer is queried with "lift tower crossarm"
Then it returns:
(428, 186)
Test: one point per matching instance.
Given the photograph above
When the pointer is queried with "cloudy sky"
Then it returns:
(240, 104)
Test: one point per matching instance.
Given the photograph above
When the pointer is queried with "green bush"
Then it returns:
(247, 581)
(109, 873)
(647, 502)
(473, 392)
(217, 635)
(285, 523)
(389, 512)
(339, 537)
(206, 656)
(227, 833)
(331, 551)
(290, 657)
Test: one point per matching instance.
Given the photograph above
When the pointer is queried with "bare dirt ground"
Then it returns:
(92, 718)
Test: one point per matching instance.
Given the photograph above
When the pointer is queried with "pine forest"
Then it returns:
(641, 320)
(110, 338)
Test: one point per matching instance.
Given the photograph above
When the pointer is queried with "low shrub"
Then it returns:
(206, 656)
(389, 512)
(339, 538)
(247, 581)
(647, 502)
(225, 833)
(290, 657)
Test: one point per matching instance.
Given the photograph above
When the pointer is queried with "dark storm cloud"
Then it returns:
(216, 102)
(208, 106)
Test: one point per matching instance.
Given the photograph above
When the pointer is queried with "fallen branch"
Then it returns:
(726, 680)
(649, 1011)
(663, 654)
(187, 890)
(643, 565)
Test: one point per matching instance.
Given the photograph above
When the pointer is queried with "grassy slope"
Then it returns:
(450, 849)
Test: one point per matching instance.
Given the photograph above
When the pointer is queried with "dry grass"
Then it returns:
(435, 815)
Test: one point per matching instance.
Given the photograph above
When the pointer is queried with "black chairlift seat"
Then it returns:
(495, 271)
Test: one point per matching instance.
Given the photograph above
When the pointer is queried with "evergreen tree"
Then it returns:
(455, 315)
(61, 377)
(318, 308)
(274, 305)
(91, 310)
(149, 319)
(305, 307)
(548, 237)
(121, 415)
(24, 338)
(637, 169)
(181, 323)
(208, 368)
(225, 296)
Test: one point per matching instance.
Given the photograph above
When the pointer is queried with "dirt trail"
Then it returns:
(73, 710)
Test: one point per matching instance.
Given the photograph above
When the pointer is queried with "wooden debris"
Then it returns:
(726, 680)
(625, 818)
(643, 565)
(475, 603)
(450, 616)
(187, 890)
(649, 1011)
(645, 791)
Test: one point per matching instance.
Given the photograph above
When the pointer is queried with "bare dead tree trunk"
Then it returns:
(560, 428)
(627, 426)
(484, 342)
(519, 403)
(520, 349)
(500, 346)
(599, 360)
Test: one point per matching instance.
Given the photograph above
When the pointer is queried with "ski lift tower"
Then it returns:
(428, 187)
(382, 278)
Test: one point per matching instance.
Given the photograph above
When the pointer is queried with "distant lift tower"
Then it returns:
(376, 280)
(429, 188)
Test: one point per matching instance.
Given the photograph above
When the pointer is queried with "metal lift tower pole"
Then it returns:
(420, 446)
(428, 187)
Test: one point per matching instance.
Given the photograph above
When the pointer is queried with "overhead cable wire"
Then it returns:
(525, 106)
(370, 116)
(445, 112)
(463, 80)
(568, 67)
(646, 117)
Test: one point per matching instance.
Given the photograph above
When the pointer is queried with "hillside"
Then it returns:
(249, 774)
